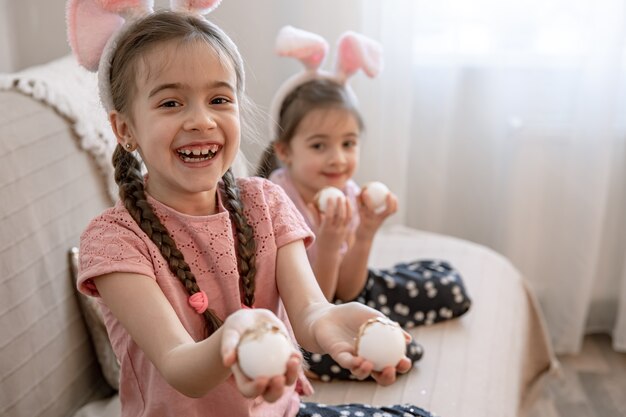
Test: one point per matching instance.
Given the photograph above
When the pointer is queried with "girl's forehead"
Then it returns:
(329, 118)
(176, 58)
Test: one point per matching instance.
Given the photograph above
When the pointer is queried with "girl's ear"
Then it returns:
(282, 152)
(120, 127)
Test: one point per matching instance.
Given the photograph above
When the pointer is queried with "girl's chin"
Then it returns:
(339, 182)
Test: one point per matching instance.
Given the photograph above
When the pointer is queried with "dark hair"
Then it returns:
(138, 40)
(312, 95)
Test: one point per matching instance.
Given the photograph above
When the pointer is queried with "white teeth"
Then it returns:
(204, 153)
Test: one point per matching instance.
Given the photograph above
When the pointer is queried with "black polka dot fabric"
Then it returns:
(325, 368)
(360, 410)
(418, 293)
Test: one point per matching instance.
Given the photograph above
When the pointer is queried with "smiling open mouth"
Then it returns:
(198, 154)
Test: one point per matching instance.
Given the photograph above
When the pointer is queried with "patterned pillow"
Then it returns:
(95, 325)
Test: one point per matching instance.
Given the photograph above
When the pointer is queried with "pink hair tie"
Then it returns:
(199, 301)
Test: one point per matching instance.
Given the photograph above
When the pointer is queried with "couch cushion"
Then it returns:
(94, 319)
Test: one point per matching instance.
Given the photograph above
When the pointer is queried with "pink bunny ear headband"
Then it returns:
(95, 26)
(354, 52)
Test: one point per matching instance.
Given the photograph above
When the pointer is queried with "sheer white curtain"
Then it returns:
(504, 122)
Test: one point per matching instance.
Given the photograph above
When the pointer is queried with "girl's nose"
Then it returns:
(200, 119)
(337, 157)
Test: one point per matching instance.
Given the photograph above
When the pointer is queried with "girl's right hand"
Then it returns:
(336, 332)
(233, 328)
(334, 223)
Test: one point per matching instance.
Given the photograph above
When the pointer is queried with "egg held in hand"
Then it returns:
(264, 351)
(381, 341)
(325, 194)
(377, 193)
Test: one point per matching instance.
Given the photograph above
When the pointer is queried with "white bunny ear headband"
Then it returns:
(354, 52)
(94, 27)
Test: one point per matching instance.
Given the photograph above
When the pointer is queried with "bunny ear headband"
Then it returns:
(354, 52)
(95, 26)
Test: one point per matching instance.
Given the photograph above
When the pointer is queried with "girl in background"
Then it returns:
(190, 257)
(316, 141)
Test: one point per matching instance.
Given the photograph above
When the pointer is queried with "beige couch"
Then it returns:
(55, 177)
(49, 190)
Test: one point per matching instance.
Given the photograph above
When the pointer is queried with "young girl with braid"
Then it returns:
(316, 131)
(191, 257)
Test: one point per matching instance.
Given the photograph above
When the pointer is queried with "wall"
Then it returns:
(31, 32)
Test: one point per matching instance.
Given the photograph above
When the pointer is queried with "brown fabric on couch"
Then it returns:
(94, 320)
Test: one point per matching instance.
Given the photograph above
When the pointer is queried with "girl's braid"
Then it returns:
(246, 246)
(130, 182)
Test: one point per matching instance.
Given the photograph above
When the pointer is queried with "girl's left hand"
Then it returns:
(270, 388)
(336, 332)
(370, 221)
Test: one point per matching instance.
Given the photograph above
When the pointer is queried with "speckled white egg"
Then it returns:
(264, 351)
(377, 192)
(381, 341)
(325, 194)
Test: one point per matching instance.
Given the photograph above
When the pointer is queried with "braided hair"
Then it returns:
(157, 28)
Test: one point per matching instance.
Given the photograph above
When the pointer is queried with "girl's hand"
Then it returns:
(371, 221)
(336, 332)
(334, 223)
(234, 327)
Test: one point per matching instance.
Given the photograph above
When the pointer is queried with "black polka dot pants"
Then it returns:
(325, 368)
(418, 293)
(360, 410)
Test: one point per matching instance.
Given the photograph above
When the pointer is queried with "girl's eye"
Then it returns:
(220, 100)
(317, 146)
(349, 144)
(170, 103)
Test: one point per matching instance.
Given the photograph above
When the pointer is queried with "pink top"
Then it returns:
(113, 242)
(281, 177)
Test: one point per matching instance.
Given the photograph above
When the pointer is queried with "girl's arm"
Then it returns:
(353, 269)
(320, 326)
(334, 227)
(299, 292)
(144, 311)
(352, 272)
(192, 368)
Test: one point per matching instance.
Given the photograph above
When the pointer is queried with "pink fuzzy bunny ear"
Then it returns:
(196, 6)
(91, 23)
(354, 52)
(307, 47)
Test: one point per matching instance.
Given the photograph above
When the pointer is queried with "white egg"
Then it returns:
(264, 351)
(377, 192)
(381, 341)
(326, 194)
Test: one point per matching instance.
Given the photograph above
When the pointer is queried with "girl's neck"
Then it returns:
(197, 204)
(307, 194)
